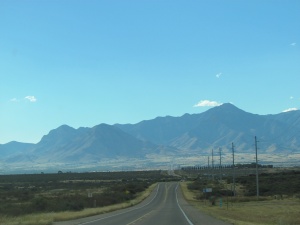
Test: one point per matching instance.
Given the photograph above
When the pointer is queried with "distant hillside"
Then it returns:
(160, 138)
(219, 127)
(13, 148)
(66, 144)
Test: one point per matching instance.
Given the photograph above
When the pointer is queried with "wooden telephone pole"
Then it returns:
(257, 184)
(233, 167)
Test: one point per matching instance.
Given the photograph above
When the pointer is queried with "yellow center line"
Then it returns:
(167, 187)
(140, 218)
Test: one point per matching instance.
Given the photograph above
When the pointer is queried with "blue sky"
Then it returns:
(83, 63)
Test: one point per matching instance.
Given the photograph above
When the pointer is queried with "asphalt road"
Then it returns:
(165, 206)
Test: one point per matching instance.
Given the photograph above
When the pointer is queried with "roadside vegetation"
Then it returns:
(278, 203)
(44, 198)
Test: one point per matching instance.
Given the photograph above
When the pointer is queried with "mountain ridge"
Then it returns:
(198, 131)
(162, 137)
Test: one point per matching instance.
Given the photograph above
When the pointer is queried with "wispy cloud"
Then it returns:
(14, 100)
(31, 98)
(290, 109)
(218, 75)
(291, 97)
(207, 103)
(293, 44)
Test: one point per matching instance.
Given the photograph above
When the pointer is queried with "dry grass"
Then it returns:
(42, 219)
(270, 212)
(62, 216)
(49, 218)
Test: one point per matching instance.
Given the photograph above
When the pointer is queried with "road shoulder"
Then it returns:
(195, 214)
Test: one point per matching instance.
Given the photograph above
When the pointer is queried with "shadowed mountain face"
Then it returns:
(66, 144)
(217, 127)
(14, 147)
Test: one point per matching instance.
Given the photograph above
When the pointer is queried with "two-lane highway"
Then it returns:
(162, 207)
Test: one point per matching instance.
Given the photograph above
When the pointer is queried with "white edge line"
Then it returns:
(123, 212)
(187, 219)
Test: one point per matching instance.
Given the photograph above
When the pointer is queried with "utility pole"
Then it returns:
(212, 158)
(208, 162)
(220, 152)
(233, 167)
(212, 164)
(257, 185)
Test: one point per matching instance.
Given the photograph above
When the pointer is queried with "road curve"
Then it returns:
(165, 206)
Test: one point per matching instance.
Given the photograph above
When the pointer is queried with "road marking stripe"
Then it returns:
(187, 219)
(140, 218)
(122, 212)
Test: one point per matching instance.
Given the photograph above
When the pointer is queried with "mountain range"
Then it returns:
(191, 133)
(219, 127)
